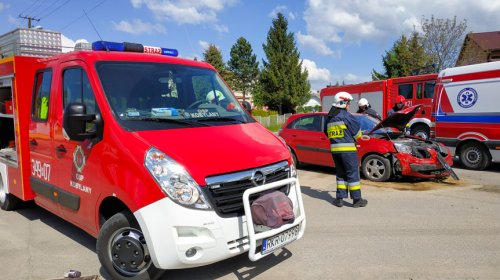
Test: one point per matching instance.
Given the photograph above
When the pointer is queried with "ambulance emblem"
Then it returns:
(79, 159)
(467, 97)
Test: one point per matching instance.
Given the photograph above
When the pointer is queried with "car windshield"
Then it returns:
(367, 123)
(148, 96)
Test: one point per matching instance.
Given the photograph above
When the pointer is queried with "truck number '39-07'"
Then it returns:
(40, 169)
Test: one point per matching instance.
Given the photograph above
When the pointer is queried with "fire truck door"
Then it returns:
(42, 177)
(78, 171)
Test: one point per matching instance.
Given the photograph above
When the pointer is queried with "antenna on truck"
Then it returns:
(95, 29)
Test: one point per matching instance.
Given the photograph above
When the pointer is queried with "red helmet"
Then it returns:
(400, 99)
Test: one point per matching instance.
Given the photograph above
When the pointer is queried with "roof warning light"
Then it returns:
(131, 47)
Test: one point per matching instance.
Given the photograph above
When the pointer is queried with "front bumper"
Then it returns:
(171, 230)
(411, 166)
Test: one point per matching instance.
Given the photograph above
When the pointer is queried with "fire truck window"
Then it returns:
(419, 91)
(406, 91)
(77, 89)
(429, 89)
(40, 108)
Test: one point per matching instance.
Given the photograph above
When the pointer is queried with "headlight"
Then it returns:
(174, 180)
(402, 148)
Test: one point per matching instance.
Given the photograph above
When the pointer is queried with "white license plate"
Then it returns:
(272, 243)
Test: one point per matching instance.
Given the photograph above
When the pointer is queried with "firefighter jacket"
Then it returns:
(343, 130)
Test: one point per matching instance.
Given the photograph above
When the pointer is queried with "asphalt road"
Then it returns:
(409, 230)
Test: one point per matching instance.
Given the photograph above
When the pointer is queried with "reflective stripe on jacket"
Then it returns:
(343, 130)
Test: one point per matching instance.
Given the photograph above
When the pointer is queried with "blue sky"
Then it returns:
(338, 40)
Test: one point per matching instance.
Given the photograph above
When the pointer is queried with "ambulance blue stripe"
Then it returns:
(495, 119)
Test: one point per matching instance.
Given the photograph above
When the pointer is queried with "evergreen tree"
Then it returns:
(284, 84)
(213, 56)
(406, 58)
(244, 66)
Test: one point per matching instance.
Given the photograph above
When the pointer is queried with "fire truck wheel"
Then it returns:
(474, 156)
(8, 201)
(122, 249)
(421, 131)
(376, 168)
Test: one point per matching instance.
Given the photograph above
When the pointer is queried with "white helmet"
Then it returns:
(211, 95)
(341, 99)
(362, 102)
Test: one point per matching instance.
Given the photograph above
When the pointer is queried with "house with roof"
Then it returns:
(479, 48)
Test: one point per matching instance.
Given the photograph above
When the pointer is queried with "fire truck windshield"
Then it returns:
(149, 96)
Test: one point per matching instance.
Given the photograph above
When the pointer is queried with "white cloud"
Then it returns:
(355, 79)
(68, 45)
(2, 6)
(185, 11)
(314, 43)
(13, 20)
(221, 28)
(315, 73)
(137, 26)
(278, 9)
(376, 21)
(204, 45)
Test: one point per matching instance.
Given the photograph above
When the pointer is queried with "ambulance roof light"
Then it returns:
(131, 47)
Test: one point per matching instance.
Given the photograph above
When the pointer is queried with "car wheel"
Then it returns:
(376, 168)
(294, 158)
(8, 201)
(421, 131)
(474, 156)
(122, 249)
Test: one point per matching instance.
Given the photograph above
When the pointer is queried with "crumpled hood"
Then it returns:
(208, 151)
(398, 120)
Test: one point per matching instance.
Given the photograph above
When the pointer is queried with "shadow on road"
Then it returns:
(32, 212)
(240, 266)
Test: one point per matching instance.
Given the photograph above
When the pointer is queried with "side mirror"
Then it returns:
(76, 120)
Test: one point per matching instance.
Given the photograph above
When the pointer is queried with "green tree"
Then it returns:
(244, 66)
(213, 56)
(442, 40)
(406, 58)
(284, 84)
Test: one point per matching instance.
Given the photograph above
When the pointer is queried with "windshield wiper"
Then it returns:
(167, 120)
(219, 119)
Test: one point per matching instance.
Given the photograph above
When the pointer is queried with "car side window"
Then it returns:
(312, 123)
(41, 96)
(429, 89)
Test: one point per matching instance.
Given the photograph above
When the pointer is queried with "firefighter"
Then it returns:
(365, 108)
(400, 104)
(343, 130)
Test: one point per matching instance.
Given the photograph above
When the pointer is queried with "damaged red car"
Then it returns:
(384, 150)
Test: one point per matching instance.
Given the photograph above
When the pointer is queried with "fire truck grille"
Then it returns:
(225, 192)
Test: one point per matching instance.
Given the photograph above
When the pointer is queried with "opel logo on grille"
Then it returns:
(258, 178)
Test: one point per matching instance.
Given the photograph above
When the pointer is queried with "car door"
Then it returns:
(309, 141)
(78, 161)
(43, 174)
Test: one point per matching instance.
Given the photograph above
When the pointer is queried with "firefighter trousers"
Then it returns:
(347, 167)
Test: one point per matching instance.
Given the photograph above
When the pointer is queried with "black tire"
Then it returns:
(122, 249)
(8, 202)
(474, 156)
(376, 168)
(294, 158)
(421, 130)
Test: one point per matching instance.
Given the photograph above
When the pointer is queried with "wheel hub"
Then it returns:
(129, 252)
(473, 156)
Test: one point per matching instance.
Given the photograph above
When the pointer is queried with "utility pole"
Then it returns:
(29, 19)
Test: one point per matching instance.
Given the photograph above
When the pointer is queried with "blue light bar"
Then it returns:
(131, 47)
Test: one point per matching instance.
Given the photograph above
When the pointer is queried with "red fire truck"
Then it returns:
(142, 152)
(417, 90)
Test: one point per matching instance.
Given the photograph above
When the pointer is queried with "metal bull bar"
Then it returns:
(300, 219)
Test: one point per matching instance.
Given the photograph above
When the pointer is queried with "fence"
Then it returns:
(272, 121)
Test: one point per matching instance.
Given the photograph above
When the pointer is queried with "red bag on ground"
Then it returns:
(272, 209)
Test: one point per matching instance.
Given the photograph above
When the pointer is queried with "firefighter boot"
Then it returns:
(361, 202)
(339, 202)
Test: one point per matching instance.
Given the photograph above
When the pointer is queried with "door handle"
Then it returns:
(61, 149)
(33, 142)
